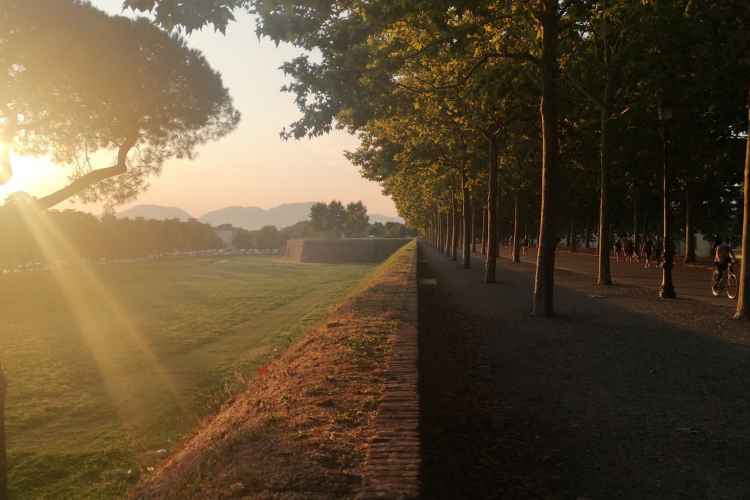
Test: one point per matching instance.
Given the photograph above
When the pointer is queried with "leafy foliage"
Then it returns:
(78, 83)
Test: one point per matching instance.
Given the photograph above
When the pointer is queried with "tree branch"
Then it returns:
(91, 178)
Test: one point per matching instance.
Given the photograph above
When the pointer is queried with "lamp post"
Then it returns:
(667, 287)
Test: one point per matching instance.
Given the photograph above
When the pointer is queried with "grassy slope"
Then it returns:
(93, 395)
(301, 429)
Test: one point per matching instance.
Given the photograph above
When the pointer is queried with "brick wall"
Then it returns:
(394, 454)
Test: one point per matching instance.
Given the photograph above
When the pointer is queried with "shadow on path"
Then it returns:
(601, 403)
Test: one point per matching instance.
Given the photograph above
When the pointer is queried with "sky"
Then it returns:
(253, 166)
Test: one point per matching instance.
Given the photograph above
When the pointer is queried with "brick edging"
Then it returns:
(394, 460)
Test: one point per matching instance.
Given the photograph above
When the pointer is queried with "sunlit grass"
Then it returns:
(109, 363)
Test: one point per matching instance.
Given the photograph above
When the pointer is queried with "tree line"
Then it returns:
(566, 117)
(46, 237)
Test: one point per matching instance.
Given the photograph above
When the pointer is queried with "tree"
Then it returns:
(334, 221)
(114, 86)
(357, 221)
(319, 217)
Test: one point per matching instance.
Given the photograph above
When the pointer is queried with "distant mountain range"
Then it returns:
(154, 212)
(250, 218)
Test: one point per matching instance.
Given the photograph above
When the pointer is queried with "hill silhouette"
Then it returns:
(156, 212)
(250, 218)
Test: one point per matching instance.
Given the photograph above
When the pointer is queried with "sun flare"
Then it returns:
(36, 176)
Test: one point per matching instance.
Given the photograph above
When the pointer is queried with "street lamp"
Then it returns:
(667, 287)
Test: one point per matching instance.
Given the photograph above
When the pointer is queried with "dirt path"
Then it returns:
(621, 396)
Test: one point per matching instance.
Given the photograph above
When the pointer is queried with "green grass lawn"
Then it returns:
(110, 364)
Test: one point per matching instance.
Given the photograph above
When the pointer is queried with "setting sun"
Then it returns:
(36, 176)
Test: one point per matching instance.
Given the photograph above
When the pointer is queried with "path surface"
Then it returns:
(691, 281)
(621, 396)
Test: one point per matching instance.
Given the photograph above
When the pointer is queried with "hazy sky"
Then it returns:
(252, 166)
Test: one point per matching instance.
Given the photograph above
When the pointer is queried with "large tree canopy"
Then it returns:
(78, 84)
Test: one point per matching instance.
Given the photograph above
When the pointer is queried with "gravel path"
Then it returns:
(691, 281)
(621, 396)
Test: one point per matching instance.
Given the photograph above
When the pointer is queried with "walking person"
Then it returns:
(618, 250)
(647, 250)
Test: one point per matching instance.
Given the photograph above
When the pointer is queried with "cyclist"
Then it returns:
(723, 256)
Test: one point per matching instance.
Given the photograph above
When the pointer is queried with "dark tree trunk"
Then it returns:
(636, 240)
(3, 443)
(572, 239)
(443, 232)
(499, 219)
(603, 274)
(437, 229)
(454, 228)
(689, 234)
(473, 229)
(515, 253)
(448, 235)
(744, 292)
(467, 211)
(544, 281)
(587, 237)
(484, 231)
(491, 262)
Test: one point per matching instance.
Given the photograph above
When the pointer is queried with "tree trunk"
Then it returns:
(491, 262)
(689, 234)
(635, 219)
(436, 243)
(467, 211)
(473, 229)
(484, 231)
(587, 236)
(438, 229)
(744, 292)
(443, 232)
(447, 239)
(515, 253)
(544, 281)
(3, 443)
(499, 219)
(454, 228)
(603, 275)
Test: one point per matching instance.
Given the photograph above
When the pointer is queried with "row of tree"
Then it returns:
(574, 115)
(31, 236)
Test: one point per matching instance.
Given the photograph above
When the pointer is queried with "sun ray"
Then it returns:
(94, 307)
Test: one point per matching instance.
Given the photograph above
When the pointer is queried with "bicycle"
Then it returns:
(728, 283)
